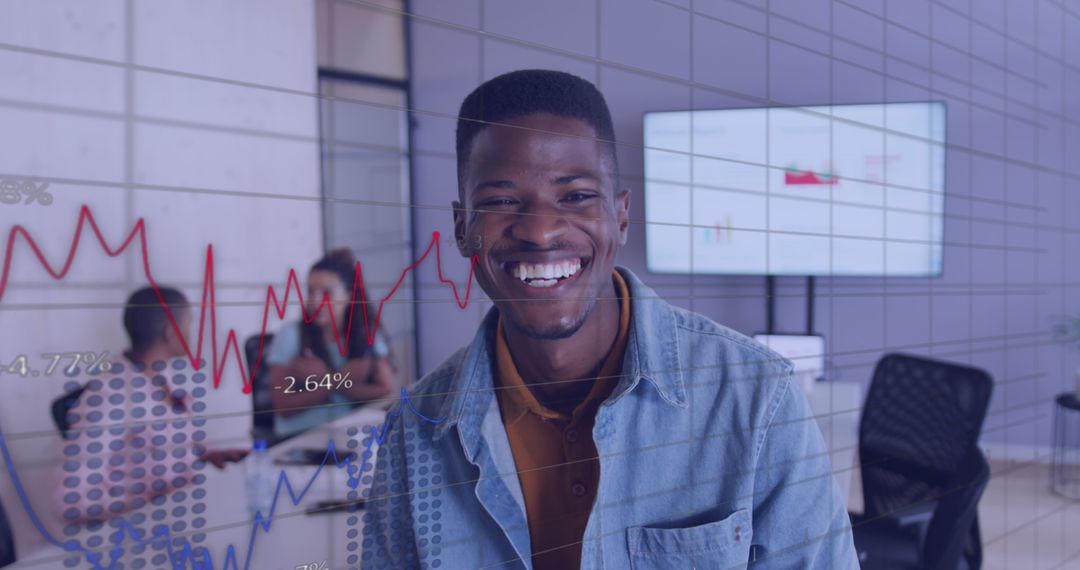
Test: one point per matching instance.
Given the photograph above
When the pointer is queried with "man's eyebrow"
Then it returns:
(495, 184)
(574, 177)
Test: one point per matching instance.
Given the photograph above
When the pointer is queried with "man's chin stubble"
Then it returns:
(552, 333)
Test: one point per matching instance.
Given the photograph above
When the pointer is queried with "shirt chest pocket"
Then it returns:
(720, 544)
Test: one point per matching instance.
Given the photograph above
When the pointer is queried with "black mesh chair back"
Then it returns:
(7, 539)
(262, 408)
(60, 408)
(921, 419)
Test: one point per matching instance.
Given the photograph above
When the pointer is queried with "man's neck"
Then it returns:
(562, 370)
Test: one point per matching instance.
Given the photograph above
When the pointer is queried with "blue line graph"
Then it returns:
(179, 560)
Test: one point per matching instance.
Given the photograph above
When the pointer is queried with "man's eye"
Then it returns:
(496, 202)
(578, 197)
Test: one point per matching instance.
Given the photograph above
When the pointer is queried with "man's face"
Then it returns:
(542, 214)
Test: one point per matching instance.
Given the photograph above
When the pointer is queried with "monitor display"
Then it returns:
(842, 190)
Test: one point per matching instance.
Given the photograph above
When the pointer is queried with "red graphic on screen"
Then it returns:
(795, 177)
(878, 165)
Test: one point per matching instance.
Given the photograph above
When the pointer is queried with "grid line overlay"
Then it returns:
(1007, 241)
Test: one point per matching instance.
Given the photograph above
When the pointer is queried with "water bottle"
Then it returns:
(260, 480)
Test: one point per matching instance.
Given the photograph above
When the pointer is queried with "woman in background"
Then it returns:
(302, 350)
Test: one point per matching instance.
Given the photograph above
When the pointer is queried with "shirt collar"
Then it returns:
(652, 353)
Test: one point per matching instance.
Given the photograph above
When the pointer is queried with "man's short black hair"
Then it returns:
(527, 92)
(145, 318)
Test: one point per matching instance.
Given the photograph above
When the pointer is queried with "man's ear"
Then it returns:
(459, 229)
(622, 214)
(173, 336)
(169, 336)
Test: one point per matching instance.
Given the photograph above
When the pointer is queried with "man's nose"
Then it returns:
(539, 224)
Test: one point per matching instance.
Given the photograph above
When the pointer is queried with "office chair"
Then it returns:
(262, 409)
(60, 408)
(7, 540)
(922, 472)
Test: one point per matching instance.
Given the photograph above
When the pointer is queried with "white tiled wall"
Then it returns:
(221, 102)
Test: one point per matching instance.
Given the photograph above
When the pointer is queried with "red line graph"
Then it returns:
(208, 301)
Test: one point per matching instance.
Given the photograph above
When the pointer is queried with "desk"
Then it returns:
(295, 538)
(837, 407)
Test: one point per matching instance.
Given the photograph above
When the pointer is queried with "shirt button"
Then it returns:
(571, 435)
(578, 489)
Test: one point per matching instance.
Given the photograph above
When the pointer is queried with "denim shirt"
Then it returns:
(709, 458)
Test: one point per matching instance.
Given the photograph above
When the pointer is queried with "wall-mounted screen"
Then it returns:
(843, 190)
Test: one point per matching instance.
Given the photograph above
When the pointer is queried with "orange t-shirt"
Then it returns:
(554, 452)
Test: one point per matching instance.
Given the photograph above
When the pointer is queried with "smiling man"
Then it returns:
(589, 423)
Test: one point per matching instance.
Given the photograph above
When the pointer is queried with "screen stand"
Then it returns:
(770, 304)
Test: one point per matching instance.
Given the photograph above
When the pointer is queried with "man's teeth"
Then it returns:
(546, 274)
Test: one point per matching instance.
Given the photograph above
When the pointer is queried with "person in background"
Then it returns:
(318, 348)
(130, 434)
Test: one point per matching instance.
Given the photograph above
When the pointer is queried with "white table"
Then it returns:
(837, 407)
(295, 538)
